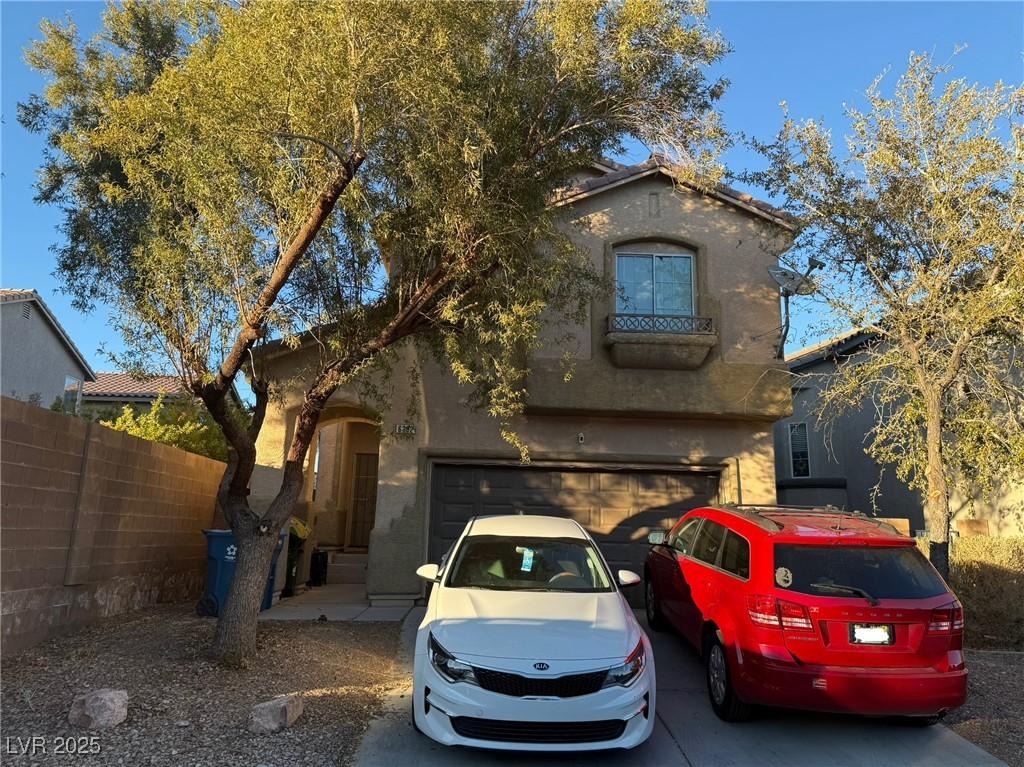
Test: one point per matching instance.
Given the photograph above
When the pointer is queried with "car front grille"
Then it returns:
(538, 732)
(568, 686)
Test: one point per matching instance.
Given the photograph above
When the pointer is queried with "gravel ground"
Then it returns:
(185, 710)
(993, 716)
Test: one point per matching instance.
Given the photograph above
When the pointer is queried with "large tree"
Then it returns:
(356, 174)
(918, 219)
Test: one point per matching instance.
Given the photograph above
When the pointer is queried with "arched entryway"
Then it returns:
(342, 482)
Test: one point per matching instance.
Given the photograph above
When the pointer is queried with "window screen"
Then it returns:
(654, 284)
(799, 452)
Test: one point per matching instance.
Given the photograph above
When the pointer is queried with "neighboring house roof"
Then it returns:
(655, 166)
(124, 386)
(118, 386)
(844, 343)
(15, 296)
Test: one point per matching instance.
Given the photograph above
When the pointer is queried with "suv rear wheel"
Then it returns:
(726, 705)
(654, 617)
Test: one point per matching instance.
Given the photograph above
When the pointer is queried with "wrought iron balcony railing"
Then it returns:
(660, 323)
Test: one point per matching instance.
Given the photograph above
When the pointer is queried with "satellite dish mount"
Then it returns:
(792, 283)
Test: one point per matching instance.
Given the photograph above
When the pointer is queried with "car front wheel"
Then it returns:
(724, 701)
(654, 617)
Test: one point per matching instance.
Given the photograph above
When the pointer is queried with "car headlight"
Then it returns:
(625, 674)
(448, 665)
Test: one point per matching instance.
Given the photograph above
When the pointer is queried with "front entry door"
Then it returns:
(364, 499)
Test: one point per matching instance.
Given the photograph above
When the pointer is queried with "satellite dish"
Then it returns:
(792, 283)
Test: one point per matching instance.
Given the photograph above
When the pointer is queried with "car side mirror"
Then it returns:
(628, 578)
(428, 572)
(656, 538)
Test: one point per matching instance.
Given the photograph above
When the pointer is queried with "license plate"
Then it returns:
(871, 633)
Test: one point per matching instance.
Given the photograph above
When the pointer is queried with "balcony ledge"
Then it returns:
(659, 351)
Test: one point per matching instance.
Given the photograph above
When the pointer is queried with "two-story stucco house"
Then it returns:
(671, 403)
(38, 360)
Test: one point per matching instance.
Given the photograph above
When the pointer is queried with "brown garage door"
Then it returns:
(618, 507)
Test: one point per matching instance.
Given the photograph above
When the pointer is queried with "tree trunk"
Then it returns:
(235, 641)
(937, 491)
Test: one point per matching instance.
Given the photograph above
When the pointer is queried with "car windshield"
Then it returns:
(879, 572)
(505, 563)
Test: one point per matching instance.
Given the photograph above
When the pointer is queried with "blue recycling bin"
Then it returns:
(220, 569)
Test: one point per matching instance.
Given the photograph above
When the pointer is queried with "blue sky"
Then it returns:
(814, 55)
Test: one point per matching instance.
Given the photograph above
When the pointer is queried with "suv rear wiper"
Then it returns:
(848, 589)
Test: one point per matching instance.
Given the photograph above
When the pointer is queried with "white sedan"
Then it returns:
(528, 644)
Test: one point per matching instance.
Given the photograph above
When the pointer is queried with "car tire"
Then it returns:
(655, 619)
(724, 701)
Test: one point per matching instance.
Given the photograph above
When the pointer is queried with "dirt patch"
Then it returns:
(993, 716)
(185, 710)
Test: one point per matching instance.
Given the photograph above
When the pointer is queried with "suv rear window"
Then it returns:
(883, 572)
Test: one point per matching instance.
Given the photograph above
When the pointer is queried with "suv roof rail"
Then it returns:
(755, 508)
(750, 515)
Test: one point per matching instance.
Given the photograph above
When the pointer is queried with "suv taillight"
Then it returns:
(947, 620)
(766, 610)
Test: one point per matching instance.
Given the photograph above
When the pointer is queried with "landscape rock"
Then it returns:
(99, 709)
(275, 714)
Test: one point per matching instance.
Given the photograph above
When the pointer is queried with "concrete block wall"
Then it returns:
(94, 523)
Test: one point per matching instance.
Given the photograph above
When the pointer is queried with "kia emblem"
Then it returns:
(541, 666)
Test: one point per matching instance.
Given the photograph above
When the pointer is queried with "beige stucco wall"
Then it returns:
(719, 415)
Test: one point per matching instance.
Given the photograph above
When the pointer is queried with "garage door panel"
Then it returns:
(619, 508)
(575, 480)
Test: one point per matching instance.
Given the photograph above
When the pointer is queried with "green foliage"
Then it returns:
(191, 142)
(179, 424)
(920, 221)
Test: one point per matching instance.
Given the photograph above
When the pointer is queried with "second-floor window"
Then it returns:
(799, 451)
(654, 283)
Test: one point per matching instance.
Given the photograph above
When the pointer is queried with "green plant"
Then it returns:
(182, 425)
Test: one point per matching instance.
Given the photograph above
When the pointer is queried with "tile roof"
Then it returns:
(842, 343)
(657, 165)
(15, 295)
(118, 385)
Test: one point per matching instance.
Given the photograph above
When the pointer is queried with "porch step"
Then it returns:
(346, 568)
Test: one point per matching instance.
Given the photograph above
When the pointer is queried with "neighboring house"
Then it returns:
(671, 403)
(110, 392)
(39, 362)
(816, 465)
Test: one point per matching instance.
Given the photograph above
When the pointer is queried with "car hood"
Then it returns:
(530, 625)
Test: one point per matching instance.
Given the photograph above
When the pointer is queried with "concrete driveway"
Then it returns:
(687, 733)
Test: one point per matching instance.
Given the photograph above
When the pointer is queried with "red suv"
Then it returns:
(809, 608)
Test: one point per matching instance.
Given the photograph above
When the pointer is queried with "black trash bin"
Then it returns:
(298, 532)
(318, 568)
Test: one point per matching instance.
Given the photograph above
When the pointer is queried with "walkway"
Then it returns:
(333, 602)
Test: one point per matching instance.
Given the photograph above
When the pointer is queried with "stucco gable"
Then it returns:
(14, 296)
(614, 175)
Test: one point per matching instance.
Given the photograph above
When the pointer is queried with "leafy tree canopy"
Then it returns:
(349, 174)
(920, 222)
